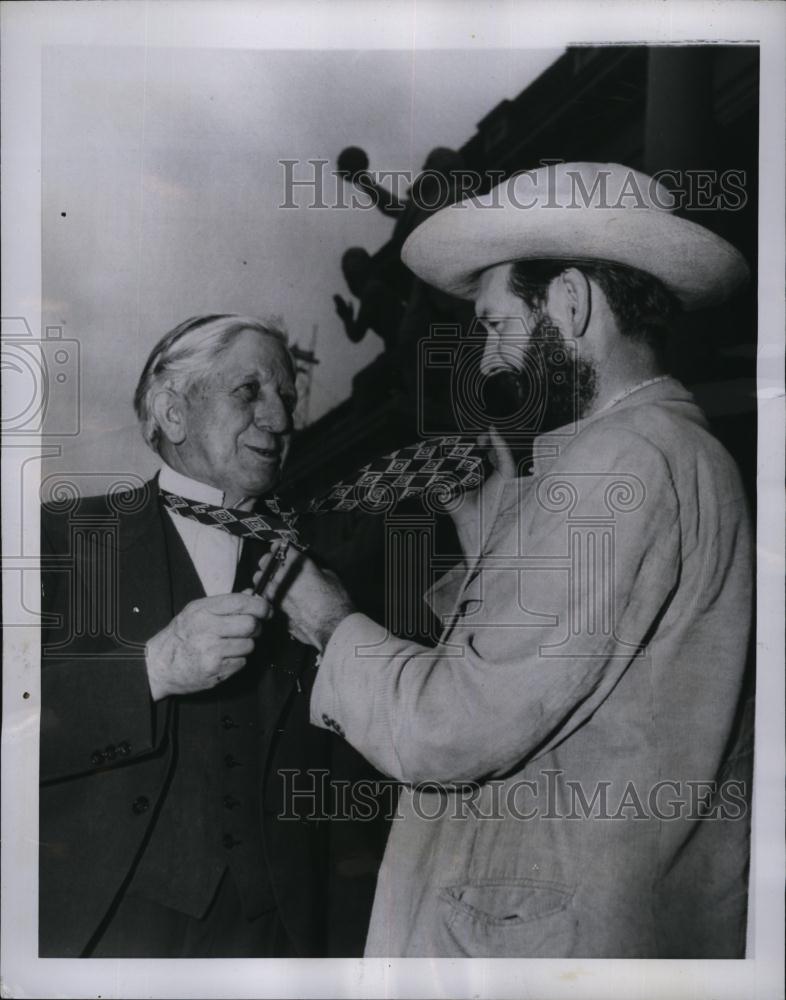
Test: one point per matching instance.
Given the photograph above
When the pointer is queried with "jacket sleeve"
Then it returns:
(559, 607)
(96, 708)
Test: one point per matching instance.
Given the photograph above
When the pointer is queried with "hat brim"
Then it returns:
(452, 248)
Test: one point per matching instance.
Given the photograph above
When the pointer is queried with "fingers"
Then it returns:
(205, 644)
(238, 626)
(268, 566)
(285, 569)
(229, 665)
(234, 648)
(221, 618)
(241, 603)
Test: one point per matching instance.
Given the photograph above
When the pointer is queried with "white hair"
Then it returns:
(186, 354)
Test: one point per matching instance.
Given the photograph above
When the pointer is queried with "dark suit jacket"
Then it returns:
(108, 751)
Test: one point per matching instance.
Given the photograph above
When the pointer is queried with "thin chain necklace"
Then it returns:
(630, 390)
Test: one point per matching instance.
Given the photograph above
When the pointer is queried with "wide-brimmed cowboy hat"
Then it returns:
(580, 212)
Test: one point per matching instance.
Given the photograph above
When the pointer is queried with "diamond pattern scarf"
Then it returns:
(438, 469)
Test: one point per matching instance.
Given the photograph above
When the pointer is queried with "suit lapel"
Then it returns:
(143, 569)
(143, 577)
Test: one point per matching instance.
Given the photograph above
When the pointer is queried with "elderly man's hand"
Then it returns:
(313, 599)
(206, 643)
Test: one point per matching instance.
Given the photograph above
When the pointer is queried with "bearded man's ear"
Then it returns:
(573, 305)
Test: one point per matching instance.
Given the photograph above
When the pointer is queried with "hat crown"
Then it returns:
(578, 186)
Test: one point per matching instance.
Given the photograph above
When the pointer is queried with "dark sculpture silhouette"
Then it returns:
(380, 308)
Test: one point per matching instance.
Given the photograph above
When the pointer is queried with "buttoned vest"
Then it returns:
(209, 820)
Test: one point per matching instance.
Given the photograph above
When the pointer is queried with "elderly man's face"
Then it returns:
(239, 419)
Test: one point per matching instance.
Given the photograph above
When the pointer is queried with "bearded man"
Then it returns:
(576, 749)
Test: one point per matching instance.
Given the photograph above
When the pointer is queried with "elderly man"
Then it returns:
(165, 720)
(575, 747)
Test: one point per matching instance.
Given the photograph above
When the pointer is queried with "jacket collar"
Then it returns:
(139, 513)
(549, 446)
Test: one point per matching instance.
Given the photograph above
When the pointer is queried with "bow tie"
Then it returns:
(436, 471)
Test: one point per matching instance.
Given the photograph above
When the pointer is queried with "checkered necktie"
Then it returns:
(272, 523)
(436, 470)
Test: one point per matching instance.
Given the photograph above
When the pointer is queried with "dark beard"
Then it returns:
(551, 389)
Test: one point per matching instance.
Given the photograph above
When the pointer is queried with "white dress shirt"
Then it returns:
(214, 552)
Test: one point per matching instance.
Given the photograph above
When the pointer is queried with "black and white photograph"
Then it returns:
(393, 499)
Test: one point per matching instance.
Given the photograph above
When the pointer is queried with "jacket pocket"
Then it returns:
(512, 917)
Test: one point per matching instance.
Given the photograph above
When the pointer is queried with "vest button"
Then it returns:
(229, 841)
(230, 802)
(231, 761)
(229, 723)
(140, 805)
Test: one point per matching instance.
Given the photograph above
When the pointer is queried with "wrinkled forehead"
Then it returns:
(278, 354)
(254, 354)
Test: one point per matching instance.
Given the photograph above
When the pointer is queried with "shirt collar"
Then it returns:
(192, 489)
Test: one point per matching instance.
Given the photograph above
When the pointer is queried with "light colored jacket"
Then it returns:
(589, 687)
